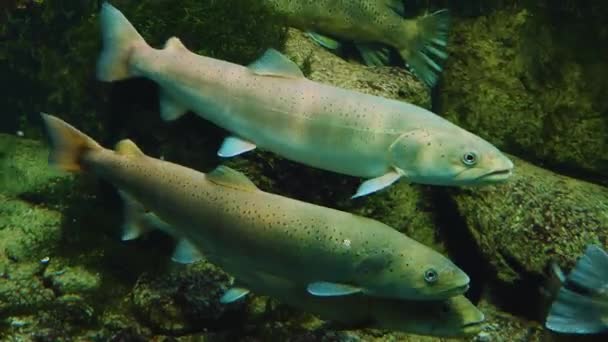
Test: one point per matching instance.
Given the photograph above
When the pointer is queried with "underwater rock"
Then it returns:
(533, 82)
(71, 279)
(321, 65)
(504, 327)
(23, 165)
(534, 218)
(185, 300)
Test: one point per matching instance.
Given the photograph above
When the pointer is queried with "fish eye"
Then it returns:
(469, 158)
(431, 276)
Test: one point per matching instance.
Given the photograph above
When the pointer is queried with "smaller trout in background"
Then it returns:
(453, 317)
(581, 306)
(372, 24)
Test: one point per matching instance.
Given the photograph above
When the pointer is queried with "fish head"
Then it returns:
(453, 317)
(437, 278)
(448, 156)
(414, 272)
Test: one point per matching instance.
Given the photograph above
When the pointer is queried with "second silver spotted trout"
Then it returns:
(271, 105)
(372, 25)
(238, 226)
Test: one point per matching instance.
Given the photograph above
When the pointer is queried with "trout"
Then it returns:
(241, 228)
(453, 317)
(271, 105)
(372, 25)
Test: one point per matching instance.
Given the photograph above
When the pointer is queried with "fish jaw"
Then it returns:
(497, 176)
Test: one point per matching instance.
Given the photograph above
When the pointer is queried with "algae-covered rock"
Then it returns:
(23, 165)
(185, 300)
(533, 82)
(534, 218)
(71, 279)
(504, 327)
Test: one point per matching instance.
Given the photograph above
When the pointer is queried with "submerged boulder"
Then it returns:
(533, 82)
(534, 218)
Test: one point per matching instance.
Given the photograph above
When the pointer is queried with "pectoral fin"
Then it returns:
(233, 294)
(327, 289)
(324, 41)
(186, 252)
(233, 146)
(170, 109)
(378, 183)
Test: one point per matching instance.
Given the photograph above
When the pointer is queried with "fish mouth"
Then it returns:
(455, 291)
(473, 328)
(496, 175)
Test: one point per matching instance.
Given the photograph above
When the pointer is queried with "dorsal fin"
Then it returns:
(223, 175)
(127, 147)
(175, 43)
(274, 63)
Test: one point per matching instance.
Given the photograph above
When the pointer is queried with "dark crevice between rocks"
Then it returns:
(522, 298)
(133, 112)
(459, 242)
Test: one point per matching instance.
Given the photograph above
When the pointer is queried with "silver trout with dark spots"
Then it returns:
(237, 226)
(271, 105)
(420, 41)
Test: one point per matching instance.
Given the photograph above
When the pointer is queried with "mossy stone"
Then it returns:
(533, 87)
(534, 218)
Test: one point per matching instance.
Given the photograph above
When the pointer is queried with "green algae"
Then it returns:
(535, 218)
(184, 300)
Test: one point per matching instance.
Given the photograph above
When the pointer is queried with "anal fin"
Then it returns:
(169, 108)
(324, 41)
(374, 54)
(233, 294)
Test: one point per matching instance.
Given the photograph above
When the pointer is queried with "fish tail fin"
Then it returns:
(118, 39)
(576, 313)
(426, 51)
(579, 305)
(68, 144)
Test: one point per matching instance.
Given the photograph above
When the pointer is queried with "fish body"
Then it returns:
(240, 227)
(420, 41)
(271, 105)
(581, 305)
(453, 317)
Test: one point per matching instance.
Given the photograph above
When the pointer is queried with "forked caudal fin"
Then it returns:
(425, 53)
(68, 144)
(581, 304)
(118, 39)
